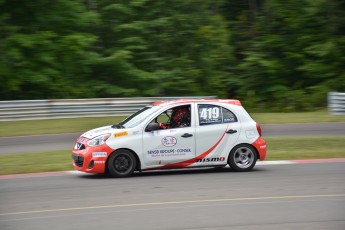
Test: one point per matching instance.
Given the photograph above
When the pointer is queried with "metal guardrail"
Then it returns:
(336, 103)
(73, 108)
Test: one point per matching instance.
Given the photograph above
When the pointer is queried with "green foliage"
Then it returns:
(45, 49)
(293, 54)
(273, 55)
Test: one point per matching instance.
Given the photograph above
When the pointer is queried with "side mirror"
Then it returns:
(152, 127)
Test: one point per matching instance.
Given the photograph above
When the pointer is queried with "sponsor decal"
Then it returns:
(121, 134)
(170, 152)
(184, 150)
(213, 159)
(262, 146)
(169, 141)
(229, 120)
(99, 154)
(99, 162)
(188, 162)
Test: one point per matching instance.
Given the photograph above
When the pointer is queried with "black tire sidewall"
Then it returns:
(110, 163)
(231, 160)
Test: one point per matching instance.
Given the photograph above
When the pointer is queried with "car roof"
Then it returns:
(206, 100)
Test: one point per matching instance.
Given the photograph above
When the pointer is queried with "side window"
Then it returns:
(177, 117)
(164, 117)
(213, 114)
(228, 116)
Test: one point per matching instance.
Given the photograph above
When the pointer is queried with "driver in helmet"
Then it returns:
(180, 117)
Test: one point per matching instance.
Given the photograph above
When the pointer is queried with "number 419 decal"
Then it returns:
(210, 113)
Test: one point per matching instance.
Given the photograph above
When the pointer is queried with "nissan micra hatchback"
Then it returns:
(174, 134)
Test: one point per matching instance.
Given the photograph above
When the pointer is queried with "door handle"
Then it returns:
(231, 131)
(187, 135)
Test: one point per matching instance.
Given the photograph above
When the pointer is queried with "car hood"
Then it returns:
(98, 131)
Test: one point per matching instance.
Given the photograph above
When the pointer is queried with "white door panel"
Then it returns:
(164, 147)
(170, 145)
(213, 143)
(215, 136)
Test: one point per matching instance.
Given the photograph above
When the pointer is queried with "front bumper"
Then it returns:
(90, 159)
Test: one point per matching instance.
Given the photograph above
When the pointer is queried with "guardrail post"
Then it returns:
(336, 103)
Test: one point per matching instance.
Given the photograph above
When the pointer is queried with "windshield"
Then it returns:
(138, 117)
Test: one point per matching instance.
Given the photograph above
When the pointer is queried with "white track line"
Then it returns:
(259, 163)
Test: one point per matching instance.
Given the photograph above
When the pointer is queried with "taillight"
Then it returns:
(259, 129)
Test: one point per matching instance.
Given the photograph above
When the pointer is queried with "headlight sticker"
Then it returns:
(77, 146)
(121, 134)
(99, 154)
(81, 139)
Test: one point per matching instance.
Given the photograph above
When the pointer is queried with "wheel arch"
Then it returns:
(256, 150)
(138, 165)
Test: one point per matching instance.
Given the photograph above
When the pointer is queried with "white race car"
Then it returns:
(175, 134)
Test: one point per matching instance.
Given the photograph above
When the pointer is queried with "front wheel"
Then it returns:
(242, 158)
(121, 163)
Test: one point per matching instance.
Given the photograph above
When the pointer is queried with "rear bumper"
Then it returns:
(261, 147)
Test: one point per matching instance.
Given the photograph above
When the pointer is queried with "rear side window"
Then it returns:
(214, 114)
(228, 116)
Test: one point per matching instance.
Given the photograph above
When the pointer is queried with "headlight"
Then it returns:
(99, 140)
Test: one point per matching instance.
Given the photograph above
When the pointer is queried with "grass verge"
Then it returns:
(303, 117)
(296, 148)
(70, 125)
(279, 148)
(36, 162)
(73, 125)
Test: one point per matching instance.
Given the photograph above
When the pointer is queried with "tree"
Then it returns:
(170, 48)
(46, 48)
(293, 55)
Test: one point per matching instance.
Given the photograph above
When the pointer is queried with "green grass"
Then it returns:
(36, 162)
(293, 148)
(304, 117)
(71, 125)
(37, 127)
(279, 148)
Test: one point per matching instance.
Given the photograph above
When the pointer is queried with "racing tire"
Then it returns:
(242, 158)
(121, 163)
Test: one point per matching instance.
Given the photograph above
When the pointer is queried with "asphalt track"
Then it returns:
(271, 197)
(41, 143)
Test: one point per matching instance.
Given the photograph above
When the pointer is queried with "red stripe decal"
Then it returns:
(193, 160)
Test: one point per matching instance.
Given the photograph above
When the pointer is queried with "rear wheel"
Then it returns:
(121, 163)
(242, 158)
